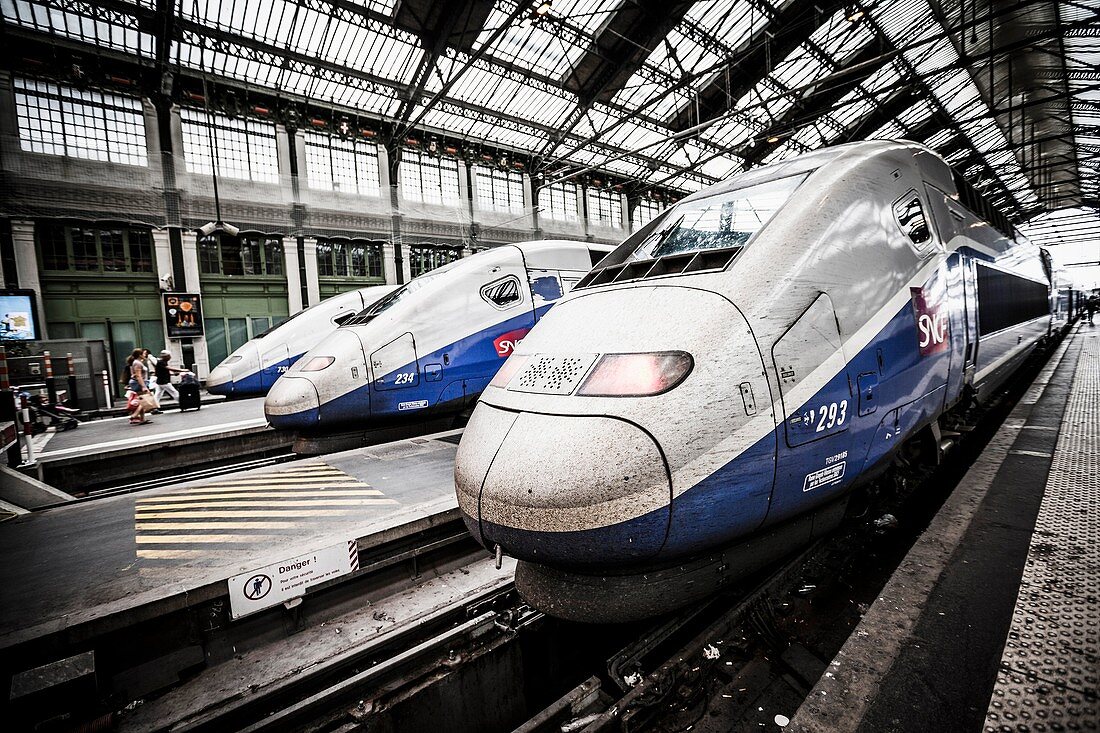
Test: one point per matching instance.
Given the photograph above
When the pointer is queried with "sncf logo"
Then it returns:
(506, 343)
(932, 336)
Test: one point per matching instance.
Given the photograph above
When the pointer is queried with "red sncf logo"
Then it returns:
(932, 336)
(506, 343)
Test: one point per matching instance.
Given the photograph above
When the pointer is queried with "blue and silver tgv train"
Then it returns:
(429, 348)
(704, 400)
(253, 368)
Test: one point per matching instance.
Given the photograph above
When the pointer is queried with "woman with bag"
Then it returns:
(138, 388)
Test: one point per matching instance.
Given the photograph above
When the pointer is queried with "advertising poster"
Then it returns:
(183, 315)
(17, 317)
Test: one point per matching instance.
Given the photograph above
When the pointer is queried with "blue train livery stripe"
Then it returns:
(751, 490)
(255, 384)
(473, 361)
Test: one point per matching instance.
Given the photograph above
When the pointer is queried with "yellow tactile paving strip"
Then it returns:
(245, 510)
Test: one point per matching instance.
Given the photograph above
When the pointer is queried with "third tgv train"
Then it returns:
(429, 348)
(251, 370)
(704, 400)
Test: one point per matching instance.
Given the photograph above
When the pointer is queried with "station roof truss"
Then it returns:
(668, 94)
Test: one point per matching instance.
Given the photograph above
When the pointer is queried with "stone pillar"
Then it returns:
(313, 283)
(389, 267)
(190, 248)
(190, 261)
(293, 276)
(162, 254)
(26, 267)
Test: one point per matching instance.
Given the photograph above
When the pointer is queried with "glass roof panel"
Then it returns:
(115, 30)
(550, 45)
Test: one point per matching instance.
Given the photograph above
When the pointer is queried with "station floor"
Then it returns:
(992, 622)
(83, 562)
(171, 424)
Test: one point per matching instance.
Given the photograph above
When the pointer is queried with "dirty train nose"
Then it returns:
(542, 489)
(292, 404)
(220, 381)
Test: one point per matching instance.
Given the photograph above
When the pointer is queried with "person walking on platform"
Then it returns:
(164, 373)
(150, 368)
(1092, 304)
(138, 386)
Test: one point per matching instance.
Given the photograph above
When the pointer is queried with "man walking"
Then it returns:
(164, 377)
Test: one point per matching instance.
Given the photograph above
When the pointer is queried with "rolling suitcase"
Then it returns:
(189, 397)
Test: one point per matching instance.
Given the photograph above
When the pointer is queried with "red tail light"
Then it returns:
(636, 375)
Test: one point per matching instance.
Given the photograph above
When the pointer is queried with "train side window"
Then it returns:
(910, 216)
(502, 293)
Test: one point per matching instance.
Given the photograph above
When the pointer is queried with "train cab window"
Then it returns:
(343, 318)
(910, 216)
(502, 293)
(724, 220)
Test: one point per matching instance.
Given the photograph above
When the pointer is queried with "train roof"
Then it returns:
(933, 166)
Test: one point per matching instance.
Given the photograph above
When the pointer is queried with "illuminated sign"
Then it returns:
(17, 316)
(183, 315)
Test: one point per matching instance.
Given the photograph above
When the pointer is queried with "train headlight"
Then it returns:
(636, 375)
(508, 370)
(318, 363)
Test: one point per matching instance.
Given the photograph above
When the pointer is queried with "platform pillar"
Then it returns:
(293, 275)
(313, 282)
(26, 265)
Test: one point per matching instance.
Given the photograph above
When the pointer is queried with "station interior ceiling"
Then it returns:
(664, 94)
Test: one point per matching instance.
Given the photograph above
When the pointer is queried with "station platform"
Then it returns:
(112, 450)
(992, 622)
(82, 570)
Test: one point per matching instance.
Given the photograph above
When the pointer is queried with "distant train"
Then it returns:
(428, 349)
(706, 398)
(253, 368)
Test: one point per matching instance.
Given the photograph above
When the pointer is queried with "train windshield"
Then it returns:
(722, 221)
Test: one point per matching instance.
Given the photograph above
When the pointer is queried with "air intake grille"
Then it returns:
(552, 374)
(681, 264)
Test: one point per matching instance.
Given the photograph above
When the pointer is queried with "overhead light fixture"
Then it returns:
(543, 8)
(218, 226)
(855, 15)
(773, 139)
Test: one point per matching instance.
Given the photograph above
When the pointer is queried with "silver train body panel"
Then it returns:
(253, 368)
(433, 345)
(824, 309)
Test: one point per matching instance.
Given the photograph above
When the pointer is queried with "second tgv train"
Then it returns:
(429, 348)
(254, 367)
(707, 397)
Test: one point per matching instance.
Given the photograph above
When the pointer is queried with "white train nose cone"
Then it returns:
(544, 489)
(292, 404)
(220, 381)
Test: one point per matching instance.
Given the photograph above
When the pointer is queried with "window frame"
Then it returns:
(67, 228)
(411, 157)
(560, 193)
(437, 256)
(500, 283)
(260, 161)
(115, 131)
(256, 239)
(364, 155)
(614, 203)
(374, 259)
(490, 181)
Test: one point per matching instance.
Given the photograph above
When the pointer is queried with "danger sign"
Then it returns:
(291, 578)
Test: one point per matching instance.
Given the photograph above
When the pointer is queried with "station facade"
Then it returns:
(105, 191)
